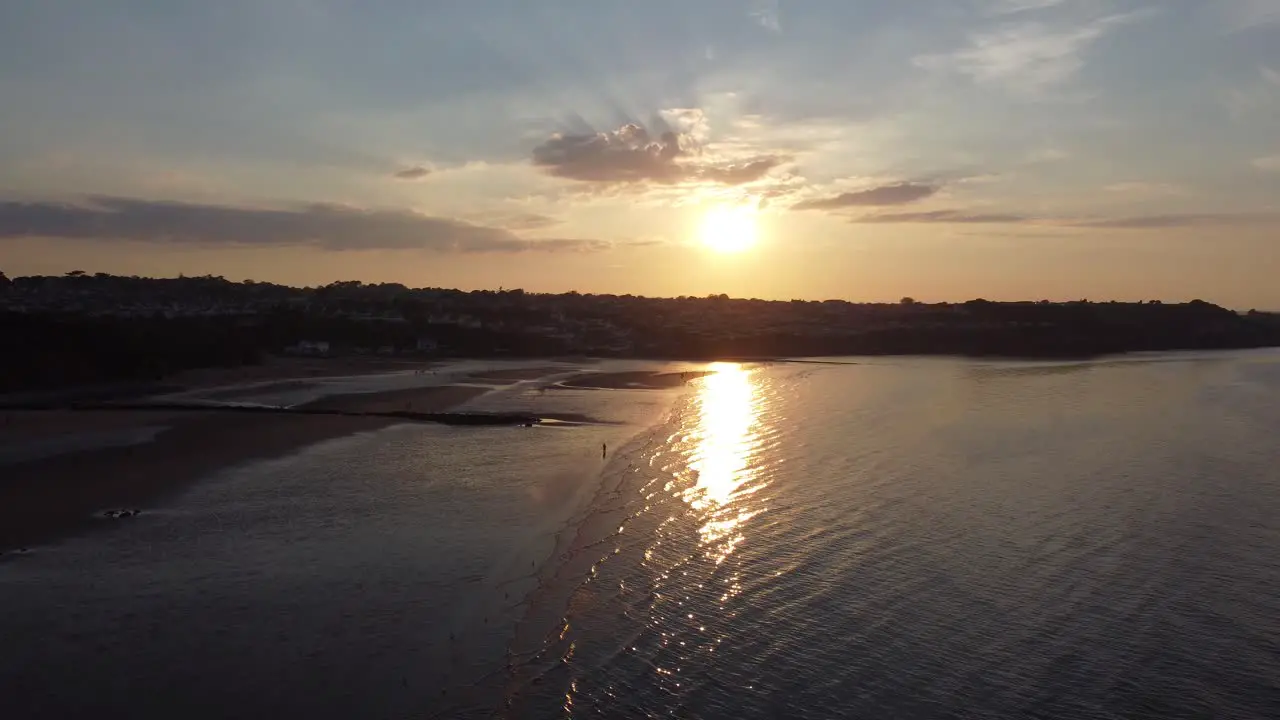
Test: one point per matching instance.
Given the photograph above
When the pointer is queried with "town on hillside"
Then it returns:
(94, 327)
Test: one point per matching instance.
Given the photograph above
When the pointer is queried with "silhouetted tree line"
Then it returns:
(55, 350)
(53, 347)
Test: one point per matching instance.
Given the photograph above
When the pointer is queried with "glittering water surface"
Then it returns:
(900, 538)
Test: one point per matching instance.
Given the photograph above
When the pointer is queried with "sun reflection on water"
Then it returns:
(722, 456)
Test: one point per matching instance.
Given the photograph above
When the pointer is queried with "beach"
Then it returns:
(65, 468)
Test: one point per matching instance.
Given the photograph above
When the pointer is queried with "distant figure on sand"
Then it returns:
(604, 450)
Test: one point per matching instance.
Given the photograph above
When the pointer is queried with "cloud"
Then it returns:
(331, 227)
(765, 14)
(417, 172)
(628, 154)
(899, 194)
(1012, 7)
(520, 221)
(741, 173)
(1138, 222)
(1254, 95)
(942, 216)
(1144, 188)
(632, 154)
(1027, 56)
(1248, 14)
(1267, 164)
(1047, 155)
(1175, 221)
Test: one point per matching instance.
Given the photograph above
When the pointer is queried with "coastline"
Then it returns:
(48, 498)
(74, 467)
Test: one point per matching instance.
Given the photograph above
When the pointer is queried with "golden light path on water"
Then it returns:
(717, 470)
(723, 449)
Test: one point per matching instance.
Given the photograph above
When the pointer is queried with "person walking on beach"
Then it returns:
(604, 450)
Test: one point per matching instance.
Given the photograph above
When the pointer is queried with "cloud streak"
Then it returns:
(1027, 56)
(329, 227)
(1013, 7)
(885, 195)
(417, 172)
(1136, 222)
(943, 216)
(1175, 221)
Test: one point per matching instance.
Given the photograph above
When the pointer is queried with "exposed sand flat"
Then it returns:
(292, 369)
(513, 375)
(633, 380)
(435, 398)
(46, 498)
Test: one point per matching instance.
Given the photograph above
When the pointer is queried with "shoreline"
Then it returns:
(48, 498)
(72, 487)
(630, 380)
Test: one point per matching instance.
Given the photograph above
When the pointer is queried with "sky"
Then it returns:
(856, 149)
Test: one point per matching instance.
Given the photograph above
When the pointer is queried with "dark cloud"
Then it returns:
(942, 216)
(632, 154)
(417, 172)
(897, 194)
(628, 154)
(331, 227)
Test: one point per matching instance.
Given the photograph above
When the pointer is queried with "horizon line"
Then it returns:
(711, 296)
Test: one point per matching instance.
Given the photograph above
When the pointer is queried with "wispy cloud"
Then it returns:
(1242, 15)
(1259, 94)
(885, 195)
(765, 13)
(1136, 222)
(329, 227)
(517, 221)
(1270, 163)
(417, 172)
(1027, 56)
(1013, 7)
(943, 216)
(1185, 220)
(1145, 189)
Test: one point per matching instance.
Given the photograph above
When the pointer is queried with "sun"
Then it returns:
(729, 228)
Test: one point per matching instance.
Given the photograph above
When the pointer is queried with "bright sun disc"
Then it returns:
(729, 228)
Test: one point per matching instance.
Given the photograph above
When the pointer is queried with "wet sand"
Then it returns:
(44, 499)
(435, 398)
(290, 369)
(514, 375)
(632, 380)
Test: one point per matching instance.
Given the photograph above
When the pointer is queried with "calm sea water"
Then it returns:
(899, 538)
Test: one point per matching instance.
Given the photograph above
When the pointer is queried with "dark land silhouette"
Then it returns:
(115, 332)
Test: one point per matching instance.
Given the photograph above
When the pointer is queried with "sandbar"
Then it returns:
(513, 375)
(632, 380)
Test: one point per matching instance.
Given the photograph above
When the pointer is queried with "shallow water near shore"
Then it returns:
(899, 538)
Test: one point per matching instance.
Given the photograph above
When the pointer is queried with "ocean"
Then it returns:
(863, 538)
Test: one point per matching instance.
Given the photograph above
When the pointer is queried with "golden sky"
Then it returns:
(942, 149)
